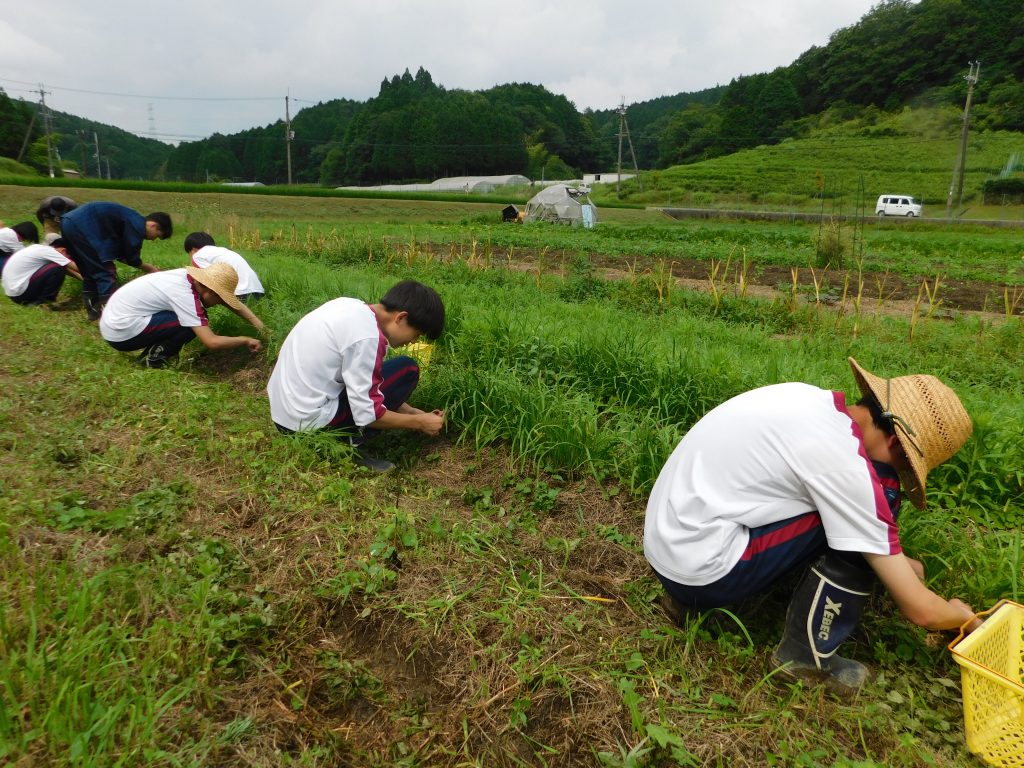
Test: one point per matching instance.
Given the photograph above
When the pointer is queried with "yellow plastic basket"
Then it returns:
(991, 661)
(421, 351)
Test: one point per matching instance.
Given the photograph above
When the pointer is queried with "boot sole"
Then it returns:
(791, 673)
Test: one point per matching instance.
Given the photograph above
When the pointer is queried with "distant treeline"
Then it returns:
(900, 53)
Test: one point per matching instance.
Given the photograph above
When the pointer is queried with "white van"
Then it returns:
(897, 205)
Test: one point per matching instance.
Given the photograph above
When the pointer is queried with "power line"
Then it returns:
(150, 96)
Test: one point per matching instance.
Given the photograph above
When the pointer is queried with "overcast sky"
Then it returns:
(185, 69)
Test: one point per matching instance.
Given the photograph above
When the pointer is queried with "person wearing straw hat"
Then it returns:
(331, 373)
(159, 313)
(789, 476)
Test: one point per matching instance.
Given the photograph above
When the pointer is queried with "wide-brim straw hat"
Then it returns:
(220, 278)
(931, 422)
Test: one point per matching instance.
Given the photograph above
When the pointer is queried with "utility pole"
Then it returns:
(288, 136)
(624, 132)
(99, 168)
(46, 127)
(81, 151)
(28, 133)
(957, 182)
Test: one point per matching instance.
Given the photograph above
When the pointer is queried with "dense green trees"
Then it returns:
(16, 120)
(73, 143)
(413, 130)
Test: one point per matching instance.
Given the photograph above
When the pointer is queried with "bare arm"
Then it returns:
(916, 602)
(211, 340)
(72, 269)
(427, 423)
(249, 316)
(147, 267)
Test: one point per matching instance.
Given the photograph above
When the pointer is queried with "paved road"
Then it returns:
(711, 213)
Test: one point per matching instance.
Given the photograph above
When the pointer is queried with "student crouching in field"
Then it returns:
(14, 238)
(34, 275)
(100, 234)
(204, 252)
(161, 312)
(331, 373)
(789, 475)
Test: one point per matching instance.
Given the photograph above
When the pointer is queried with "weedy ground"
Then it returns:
(185, 586)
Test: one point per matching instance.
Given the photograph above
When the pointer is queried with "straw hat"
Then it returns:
(220, 278)
(931, 423)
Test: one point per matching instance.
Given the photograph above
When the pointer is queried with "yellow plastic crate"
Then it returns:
(991, 661)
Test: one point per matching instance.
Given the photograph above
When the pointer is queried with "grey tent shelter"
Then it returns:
(562, 204)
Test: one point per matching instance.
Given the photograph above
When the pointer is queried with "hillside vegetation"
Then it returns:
(910, 152)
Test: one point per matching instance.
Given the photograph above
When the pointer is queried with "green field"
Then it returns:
(843, 166)
(185, 586)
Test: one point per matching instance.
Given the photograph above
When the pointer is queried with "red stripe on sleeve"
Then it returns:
(882, 511)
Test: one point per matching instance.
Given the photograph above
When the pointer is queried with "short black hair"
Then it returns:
(60, 242)
(878, 417)
(421, 302)
(27, 230)
(163, 221)
(196, 240)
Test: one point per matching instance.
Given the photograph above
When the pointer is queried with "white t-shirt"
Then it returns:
(26, 262)
(764, 456)
(132, 305)
(9, 242)
(248, 281)
(336, 350)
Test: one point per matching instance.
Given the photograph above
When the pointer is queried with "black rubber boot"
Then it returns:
(364, 458)
(93, 308)
(371, 462)
(824, 612)
(155, 356)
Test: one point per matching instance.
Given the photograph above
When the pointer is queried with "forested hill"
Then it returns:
(413, 129)
(900, 53)
(91, 148)
(259, 154)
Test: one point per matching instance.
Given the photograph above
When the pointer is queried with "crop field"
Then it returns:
(184, 586)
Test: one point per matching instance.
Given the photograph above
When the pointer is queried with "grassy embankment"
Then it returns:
(843, 167)
(186, 586)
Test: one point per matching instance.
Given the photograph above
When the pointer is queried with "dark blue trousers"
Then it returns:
(399, 375)
(774, 551)
(164, 329)
(44, 285)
